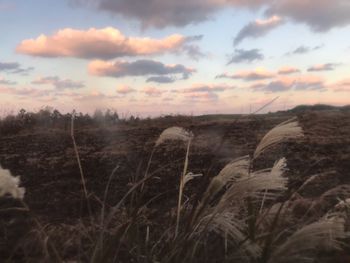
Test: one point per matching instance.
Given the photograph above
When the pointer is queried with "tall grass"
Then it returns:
(243, 215)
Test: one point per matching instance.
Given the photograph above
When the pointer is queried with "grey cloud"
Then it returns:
(242, 55)
(301, 50)
(161, 79)
(159, 14)
(207, 88)
(5, 66)
(7, 82)
(323, 67)
(23, 71)
(59, 83)
(248, 76)
(191, 48)
(14, 68)
(276, 86)
(320, 86)
(288, 70)
(282, 86)
(304, 49)
(139, 68)
(193, 51)
(194, 38)
(320, 15)
(258, 28)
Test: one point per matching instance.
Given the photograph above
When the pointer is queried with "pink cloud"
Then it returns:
(124, 89)
(25, 91)
(103, 43)
(257, 74)
(153, 92)
(202, 96)
(341, 86)
(6, 90)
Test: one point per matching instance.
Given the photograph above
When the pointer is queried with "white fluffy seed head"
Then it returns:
(285, 131)
(233, 171)
(267, 183)
(174, 133)
(10, 185)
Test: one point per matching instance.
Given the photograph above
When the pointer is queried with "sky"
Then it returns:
(155, 57)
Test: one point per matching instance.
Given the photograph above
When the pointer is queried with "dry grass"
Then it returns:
(244, 215)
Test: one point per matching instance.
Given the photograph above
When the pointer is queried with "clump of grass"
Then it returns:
(233, 212)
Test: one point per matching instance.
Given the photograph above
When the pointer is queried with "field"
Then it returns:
(57, 221)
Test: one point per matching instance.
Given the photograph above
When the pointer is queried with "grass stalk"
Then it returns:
(181, 187)
(82, 176)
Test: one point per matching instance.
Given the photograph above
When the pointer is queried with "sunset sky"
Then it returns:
(152, 57)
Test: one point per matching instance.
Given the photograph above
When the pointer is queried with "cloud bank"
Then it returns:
(319, 15)
(106, 43)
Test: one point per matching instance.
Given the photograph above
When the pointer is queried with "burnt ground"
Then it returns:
(47, 164)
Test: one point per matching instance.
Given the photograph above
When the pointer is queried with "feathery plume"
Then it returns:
(10, 185)
(174, 133)
(233, 171)
(289, 129)
(261, 183)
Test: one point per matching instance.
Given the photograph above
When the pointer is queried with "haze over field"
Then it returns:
(154, 57)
